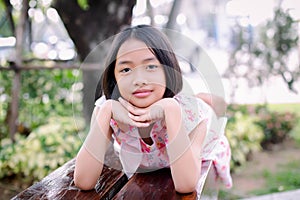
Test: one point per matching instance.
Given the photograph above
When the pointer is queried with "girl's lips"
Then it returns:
(142, 93)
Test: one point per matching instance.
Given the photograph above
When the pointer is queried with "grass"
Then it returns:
(287, 178)
(288, 107)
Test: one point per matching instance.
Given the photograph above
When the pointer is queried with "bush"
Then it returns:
(45, 149)
(44, 93)
(276, 126)
(244, 137)
(295, 132)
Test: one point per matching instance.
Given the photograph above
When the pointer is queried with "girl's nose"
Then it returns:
(140, 77)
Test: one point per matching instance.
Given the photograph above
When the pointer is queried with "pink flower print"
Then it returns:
(222, 154)
(190, 115)
(166, 140)
(131, 128)
(154, 135)
(114, 122)
(160, 145)
(118, 140)
(145, 149)
(228, 151)
(223, 168)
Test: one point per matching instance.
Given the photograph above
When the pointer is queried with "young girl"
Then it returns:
(143, 111)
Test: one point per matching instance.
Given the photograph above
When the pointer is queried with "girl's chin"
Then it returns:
(141, 103)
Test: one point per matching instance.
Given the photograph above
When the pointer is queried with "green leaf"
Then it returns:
(83, 4)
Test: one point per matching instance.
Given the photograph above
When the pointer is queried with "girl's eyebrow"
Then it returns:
(124, 62)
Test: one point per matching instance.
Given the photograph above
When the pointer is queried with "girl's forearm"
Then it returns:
(90, 158)
(185, 167)
(185, 171)
(217, 103)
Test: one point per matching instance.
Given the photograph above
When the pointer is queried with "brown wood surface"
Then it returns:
(152, 185)
(112, 184)
(59, 185)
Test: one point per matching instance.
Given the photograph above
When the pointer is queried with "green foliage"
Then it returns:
(4, 99)
(45, 149)
(244, 137)
(265, 50)
(276, 126)
(253, 127)
(5, 29)
(295, 132)
(284, 28)
(83, 4)
(43, 93)
(295, 109)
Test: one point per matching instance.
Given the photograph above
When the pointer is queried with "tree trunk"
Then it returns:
(14, 107)
(173, 14)
(87, 29)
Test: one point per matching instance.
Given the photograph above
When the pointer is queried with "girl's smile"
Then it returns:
(140, 76)
(142, 93)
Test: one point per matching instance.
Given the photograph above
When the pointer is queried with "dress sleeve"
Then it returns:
(194, 111)
(100, 101)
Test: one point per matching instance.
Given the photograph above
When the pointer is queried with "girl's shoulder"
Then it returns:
(100, 101)
(194, 110)
(191, 102)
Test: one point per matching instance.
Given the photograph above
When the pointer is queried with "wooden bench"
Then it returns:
(113, 184)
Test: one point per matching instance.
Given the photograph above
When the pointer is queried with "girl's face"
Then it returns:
(139, 75)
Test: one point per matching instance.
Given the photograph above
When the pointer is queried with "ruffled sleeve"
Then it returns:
(194, 111)
(100, 101)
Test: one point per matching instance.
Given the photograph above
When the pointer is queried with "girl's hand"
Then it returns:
(148, 115)
(120, 114)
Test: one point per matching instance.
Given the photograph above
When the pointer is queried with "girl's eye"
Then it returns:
(125, 70)
(151, 67)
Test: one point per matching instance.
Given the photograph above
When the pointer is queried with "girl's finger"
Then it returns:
(139, 124)
(126, 105)
(132, 109)
(140, 118)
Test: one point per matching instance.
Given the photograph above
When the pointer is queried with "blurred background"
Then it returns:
(51, 58)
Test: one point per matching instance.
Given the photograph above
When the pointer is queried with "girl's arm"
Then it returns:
(217, 103)
(183, 148)
(90, 158)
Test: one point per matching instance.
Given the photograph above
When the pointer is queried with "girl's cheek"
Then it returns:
(124, 89)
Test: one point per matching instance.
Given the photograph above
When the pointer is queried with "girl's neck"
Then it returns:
(145, 134)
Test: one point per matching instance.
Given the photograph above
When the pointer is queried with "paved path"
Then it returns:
(289, 195)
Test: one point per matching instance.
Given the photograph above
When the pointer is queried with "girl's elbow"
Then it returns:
(186, 187)
(84, 183)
